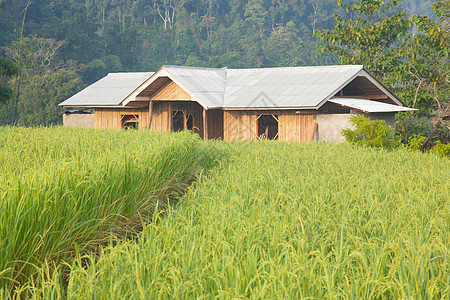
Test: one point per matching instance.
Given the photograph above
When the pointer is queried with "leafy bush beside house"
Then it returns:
(372, 133)
(441, 149)
(375, 133)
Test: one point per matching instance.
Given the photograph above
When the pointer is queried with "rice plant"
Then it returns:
(65, 191)
(285, 221)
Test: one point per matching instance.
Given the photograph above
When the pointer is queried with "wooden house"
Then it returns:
(290, 104)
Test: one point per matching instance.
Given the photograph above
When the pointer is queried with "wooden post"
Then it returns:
(150, 114)
(316, 126)
(170, 120)
(205, 125)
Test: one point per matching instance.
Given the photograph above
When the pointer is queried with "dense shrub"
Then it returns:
(372, 133)
(375, 133)
(415, 142)
(441, 149)
(408, 126)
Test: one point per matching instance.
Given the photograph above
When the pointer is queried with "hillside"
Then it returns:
(110, 36)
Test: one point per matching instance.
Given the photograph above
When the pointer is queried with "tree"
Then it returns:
(426, 63)
(368, 38)
(38, 55)
(283, 47)
(7, 69)
(46, 80)
(38, 102)
(416, 66)
(256, 14)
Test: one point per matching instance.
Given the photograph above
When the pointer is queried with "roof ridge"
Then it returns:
(298, 67)
(122, 73)
(269, 68)
(190, 67)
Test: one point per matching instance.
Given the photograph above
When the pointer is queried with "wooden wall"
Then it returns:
(162, 115)
(170, 92)
(296, 127)
(240, 125)
(243, 125)
(112, 117)
(227, 125)
(214, 118)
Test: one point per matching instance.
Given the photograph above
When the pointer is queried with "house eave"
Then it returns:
(270, 108)
(95, 106)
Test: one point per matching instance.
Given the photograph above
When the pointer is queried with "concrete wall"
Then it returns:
(389, 118)
(330, 126)
(79, 120)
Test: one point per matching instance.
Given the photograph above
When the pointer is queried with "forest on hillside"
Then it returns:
(141, 35)
(64, 45)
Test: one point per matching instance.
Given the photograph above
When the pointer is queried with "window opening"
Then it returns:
(268, 127)
(177, 120)
(130, 121)
(190, 122)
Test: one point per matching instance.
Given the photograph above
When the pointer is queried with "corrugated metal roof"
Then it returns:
(111, 90)
(292, 87)
(208, 85)
(263, 88)
(284, 87)
(369, 106)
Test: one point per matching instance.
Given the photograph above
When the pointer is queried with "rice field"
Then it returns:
(66, 191)
(267, 220)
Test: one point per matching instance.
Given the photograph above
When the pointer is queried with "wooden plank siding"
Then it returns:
(295, 127)
(243, 125)
(170, 92)
(240, 125)
(112, 117)
(162, 115)
(214, 119)
(160, 118)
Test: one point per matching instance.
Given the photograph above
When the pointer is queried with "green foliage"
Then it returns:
(5, 94)
(95, 69)
(441, 149)
(256, 14)
(409, 125)
(7, 67)
(100, 67)
(7, 70)
(147, 34)
(372, 133)
(286, 220)
(368, 38)
(35, 54)
(415, 142)
(46, 80)
(413, 61)
(38, 102)
(426, 58)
